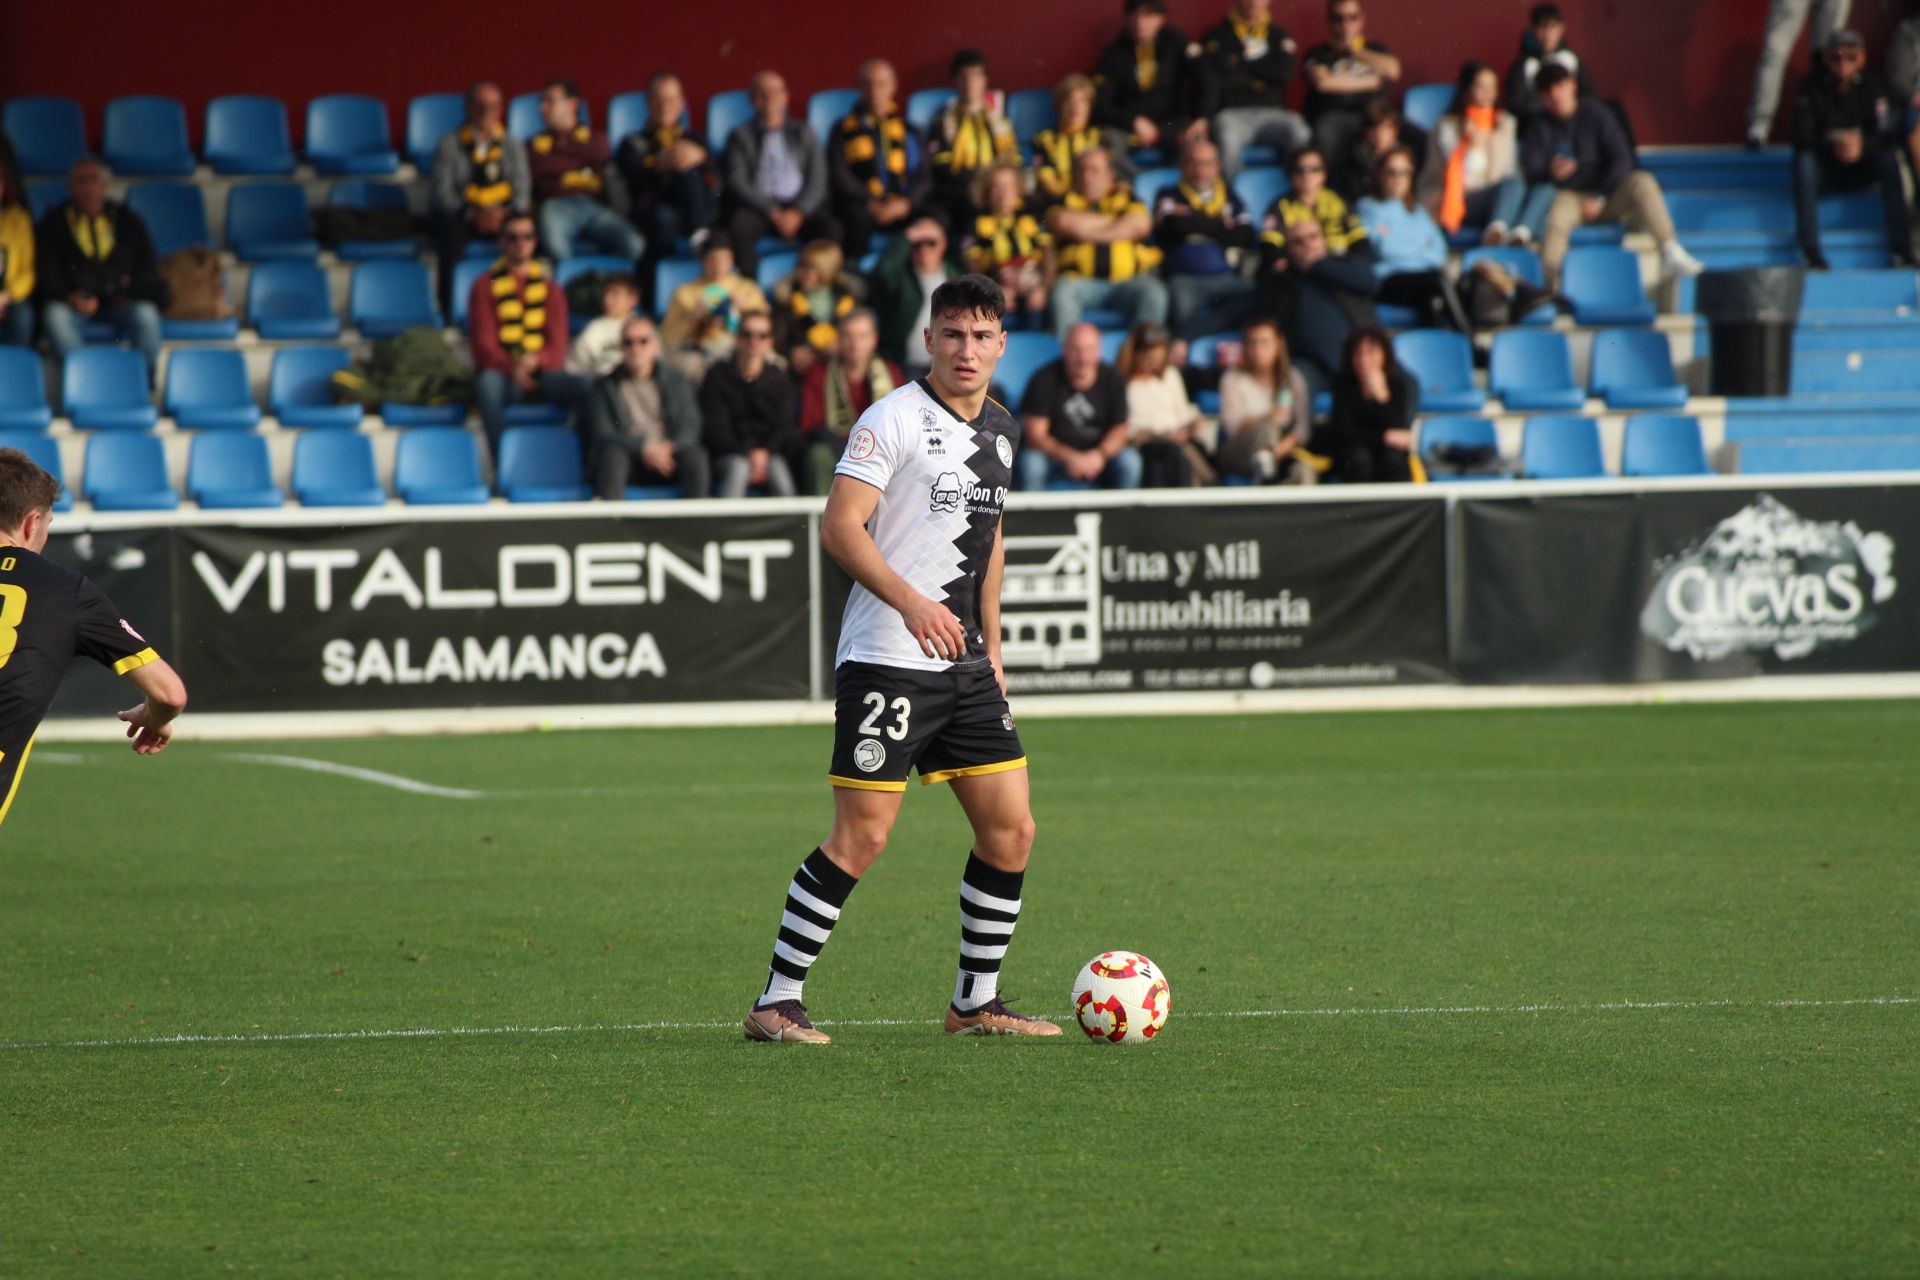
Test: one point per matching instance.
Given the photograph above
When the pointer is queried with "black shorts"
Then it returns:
(888, 720)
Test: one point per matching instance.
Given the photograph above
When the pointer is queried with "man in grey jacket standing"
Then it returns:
(643, 421)
(776, 177)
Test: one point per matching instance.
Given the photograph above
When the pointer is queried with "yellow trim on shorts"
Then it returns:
(864, 784)
(21, 772)
(972, 771)
(133, 660)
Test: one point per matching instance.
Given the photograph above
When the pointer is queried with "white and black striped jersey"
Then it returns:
(943, 481)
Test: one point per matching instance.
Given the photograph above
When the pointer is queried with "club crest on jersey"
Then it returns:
(1004, 448)
(862, 445)
(928, 418)
(946, 493)
(869, 755)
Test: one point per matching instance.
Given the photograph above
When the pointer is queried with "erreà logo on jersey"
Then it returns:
(1765, 578)
(949, 491)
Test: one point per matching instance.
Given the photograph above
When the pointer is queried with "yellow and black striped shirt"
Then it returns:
(1342, 230)
(1118, 260)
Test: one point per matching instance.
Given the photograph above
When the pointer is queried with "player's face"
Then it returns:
(965, 348)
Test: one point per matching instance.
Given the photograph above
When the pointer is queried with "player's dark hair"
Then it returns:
(24, 488)
(1550, 75)
(969, 296)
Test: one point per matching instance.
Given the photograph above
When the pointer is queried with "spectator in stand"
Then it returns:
(1346, 73)
(1205, 232)
(877, 161)
(712, 304)
(1472, 175)
(748, 405)
(1903, 81)
(1370, 432)
(1076, 419)
(776, 177)
(1009, 246)
(1241, 79)
(1055, 149)
(93, 260)
(1165, 422)
(1846, 137)
(1101, 253)
(837, 391)
(970, 135)
(16, 258)
(902, 283)
(668, 174)
(596, 349)
(1785, 20)
(1311, 197)
(1580, 148)
(480, 176)
(568, 165)
(1411, 248)
(809, 303)
(1266, 411)
(643, 421)
(517, 317)
(1544, 43)
(1317, 296)
(1382, 129)
(1142, 82)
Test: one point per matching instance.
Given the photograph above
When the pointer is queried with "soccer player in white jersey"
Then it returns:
(914, 517)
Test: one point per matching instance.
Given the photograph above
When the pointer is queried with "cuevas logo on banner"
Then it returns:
(1767, 578)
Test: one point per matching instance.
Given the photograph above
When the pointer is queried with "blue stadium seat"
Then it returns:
(1424, 104)
(147, 135)
(1204, 353)
(1148, 184)
(587, 263)
(356, 193)
(43, 194)
(105, 388)
(48, 133)
(335, 469)
(464, 274)
(1442, 362)
(1464, 433)
(1664, 444)
(1112, 338)
(431, 117)
(669, 274)
(1532, 369)
(1259, 188)
(207, 389)
(175, 214)
(1633, 369)
(542, 464)
(389, 297)
(925, 104)
(298, 393)
(23, 391)
(1800, 457)
(726, 111)
(1029, 111)
(439, 466)
(127, 472)
(291, 300)
(230, 470)
(1027, 351)
(45, 452)
(1878, 293)
(1521, 263)
(828, 107)
(348, 133)
(523, 115)
(626, 113)
(1556, 447)
(247, 134)
(270, 220)
(776, 266)
(1603, 284)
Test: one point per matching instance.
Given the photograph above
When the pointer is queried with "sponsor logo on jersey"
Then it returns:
(946, 492)
(1004, 448)
(862, 445)
(869, 755)
(950, 492)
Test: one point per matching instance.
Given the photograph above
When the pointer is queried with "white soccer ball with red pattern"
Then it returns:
(1120, 997)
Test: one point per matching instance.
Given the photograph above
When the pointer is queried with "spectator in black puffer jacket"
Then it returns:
(1845, 138)
(95, 261)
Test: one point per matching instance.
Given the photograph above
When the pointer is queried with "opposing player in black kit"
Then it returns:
(50, 615)
(914, 517)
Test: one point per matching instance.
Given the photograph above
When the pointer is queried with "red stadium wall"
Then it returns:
(1684, 68)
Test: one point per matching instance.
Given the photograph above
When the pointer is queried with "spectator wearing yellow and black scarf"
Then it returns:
(876, 161)
(1055, 149)
(969, 135)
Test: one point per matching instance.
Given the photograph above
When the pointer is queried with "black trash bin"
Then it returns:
(1751, 314)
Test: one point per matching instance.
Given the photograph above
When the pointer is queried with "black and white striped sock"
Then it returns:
(814, 899)
(989, 908)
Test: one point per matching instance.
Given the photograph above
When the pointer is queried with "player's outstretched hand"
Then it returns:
(149, 738)
(938, 631)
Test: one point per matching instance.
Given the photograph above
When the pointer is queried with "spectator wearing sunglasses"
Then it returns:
(517, 316)
(1346, 73)
(643, 421)
(1845, 138)
(1312, 200)
(1411, 247)
(752, 424)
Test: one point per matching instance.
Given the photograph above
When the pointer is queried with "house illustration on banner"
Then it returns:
(1050, 598)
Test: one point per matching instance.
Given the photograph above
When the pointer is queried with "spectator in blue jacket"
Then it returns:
(1411, 248)
(1205, 232)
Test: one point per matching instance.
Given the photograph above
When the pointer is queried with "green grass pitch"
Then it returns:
(1526, 978)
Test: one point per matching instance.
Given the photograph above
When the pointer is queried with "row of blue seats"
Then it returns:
(350, 133)
(1568, 448)
(105, 389)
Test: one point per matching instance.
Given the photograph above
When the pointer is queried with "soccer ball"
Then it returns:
(1120, 997)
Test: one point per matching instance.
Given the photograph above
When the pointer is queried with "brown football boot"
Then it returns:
(783, 1022)
(994, 1019)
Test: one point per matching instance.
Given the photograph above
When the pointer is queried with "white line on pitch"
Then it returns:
(374, 776)
(588, 1028)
